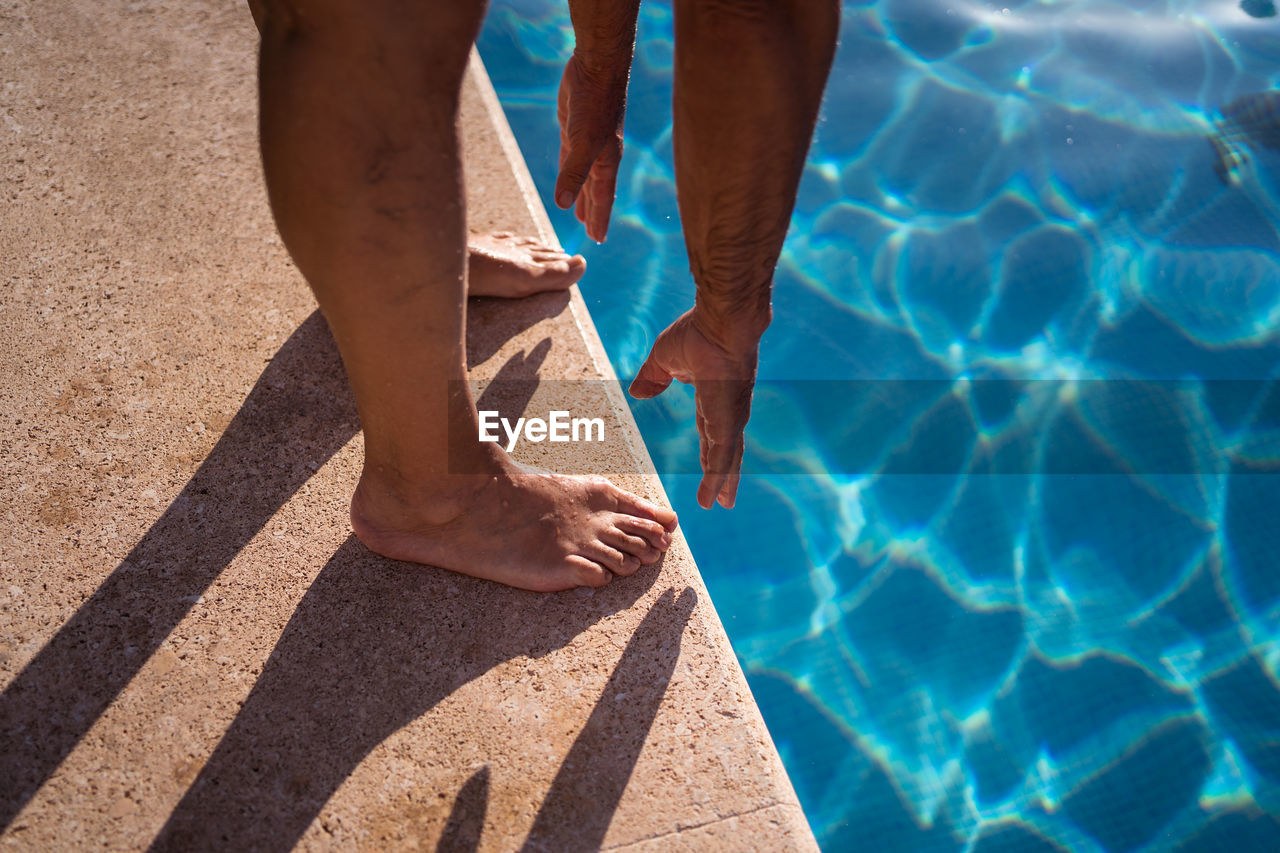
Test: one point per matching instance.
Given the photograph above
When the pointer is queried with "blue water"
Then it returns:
(1032, 603)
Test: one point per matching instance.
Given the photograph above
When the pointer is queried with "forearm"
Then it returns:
(748, 84)
(605, 32)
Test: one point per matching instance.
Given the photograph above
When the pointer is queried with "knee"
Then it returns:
(399, 35)
(274, 17)
(737, 13)
(428, 24)
(757, 18)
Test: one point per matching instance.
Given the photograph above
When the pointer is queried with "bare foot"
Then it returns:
(518, 525)
(509, 266)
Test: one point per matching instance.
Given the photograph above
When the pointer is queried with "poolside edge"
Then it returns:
(784, 821)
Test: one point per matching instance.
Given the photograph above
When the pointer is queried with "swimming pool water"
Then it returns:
(1004, 574)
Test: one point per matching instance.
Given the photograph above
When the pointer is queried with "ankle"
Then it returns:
(385, 497)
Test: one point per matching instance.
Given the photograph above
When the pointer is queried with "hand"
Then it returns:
(591, 107)
(722, 384)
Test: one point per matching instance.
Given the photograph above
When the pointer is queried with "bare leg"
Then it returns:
(359, 144)
(501, 264)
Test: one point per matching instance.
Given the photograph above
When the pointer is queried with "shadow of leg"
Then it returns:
(299, 412)
(492, 322)
(508, 394)
(513, 386)
(373, 645)
(585, 793)
(466, 821)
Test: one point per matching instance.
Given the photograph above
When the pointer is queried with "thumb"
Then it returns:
(651, 381)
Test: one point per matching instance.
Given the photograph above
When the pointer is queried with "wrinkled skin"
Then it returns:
(749, 77)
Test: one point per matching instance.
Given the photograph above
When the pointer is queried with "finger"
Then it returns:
(729, 491)
(578, 146)
(652, 379)
(562, 118)
(715, 474)
(585, 205)
(706, 494)
(701, 425)
(579, 149)
(725, 407)
(601, 188)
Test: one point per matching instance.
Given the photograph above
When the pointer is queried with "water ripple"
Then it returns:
(1007, 582)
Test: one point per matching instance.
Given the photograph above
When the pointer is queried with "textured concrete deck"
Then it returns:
(195, 652)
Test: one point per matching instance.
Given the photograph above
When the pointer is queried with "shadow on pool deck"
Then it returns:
(373, 645)
(368, 651)
(297, 416)
(576, 811)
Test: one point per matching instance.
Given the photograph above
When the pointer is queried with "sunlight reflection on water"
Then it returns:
(1079, 653)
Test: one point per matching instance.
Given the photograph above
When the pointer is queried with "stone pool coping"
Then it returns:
(192, 646)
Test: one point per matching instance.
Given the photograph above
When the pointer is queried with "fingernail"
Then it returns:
(564, 198)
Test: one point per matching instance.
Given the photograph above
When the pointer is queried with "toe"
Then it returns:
(641, 508)
(631, 546)
(588, 573)
(606, 555)
(559, 272)
(650, 531)
(573, 266)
